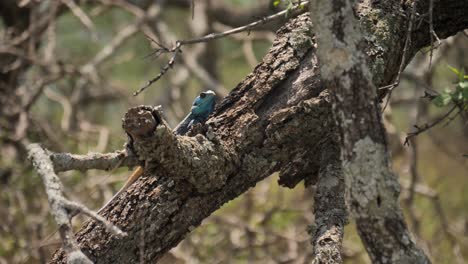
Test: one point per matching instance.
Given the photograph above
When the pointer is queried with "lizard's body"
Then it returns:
(202, 107)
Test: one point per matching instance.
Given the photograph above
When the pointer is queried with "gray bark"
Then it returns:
(371, 188)
(329, 207)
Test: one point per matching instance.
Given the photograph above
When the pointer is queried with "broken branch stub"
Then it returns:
(198, 160)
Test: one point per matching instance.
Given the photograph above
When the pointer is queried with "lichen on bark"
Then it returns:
(368, 177)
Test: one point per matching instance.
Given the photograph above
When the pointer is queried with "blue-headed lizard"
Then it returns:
(202, 107)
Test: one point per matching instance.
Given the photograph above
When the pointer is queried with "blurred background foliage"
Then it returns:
(268, 224)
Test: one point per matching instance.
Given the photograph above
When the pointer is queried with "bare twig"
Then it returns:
(189, 59)
(61, 208)
(175, 51)
(81, 15)
(425, 127)
(177, 48)
(247, 41)
(66, 105)
(76, 207)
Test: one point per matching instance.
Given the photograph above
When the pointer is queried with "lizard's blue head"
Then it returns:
(203, 105)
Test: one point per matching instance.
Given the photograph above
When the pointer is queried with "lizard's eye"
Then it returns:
(202, 95)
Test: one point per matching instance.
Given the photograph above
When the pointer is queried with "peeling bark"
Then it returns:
(277, 116)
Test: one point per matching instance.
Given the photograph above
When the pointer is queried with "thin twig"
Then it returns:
(76, 207)
(81, 15)
(426, 127)
(164, 69)
(177, 48)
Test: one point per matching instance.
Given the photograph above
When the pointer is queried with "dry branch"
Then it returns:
(98, 161)
(61, 208)
(178, 45)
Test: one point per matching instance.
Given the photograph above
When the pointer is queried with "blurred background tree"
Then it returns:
(67, 73)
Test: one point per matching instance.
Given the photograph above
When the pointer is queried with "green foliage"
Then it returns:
(288, 5)
(458, 95)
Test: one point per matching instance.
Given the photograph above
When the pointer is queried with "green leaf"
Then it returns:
(453, 69)
(442, 100)
(276, 3)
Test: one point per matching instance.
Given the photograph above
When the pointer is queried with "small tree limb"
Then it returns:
(61, 208)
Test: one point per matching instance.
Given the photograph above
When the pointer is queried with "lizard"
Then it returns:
(202, 107)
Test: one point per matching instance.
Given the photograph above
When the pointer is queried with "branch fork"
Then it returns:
(63, 209)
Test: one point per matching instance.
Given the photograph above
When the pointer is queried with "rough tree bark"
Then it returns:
(274, 120)
(329, 208)
(371, 188)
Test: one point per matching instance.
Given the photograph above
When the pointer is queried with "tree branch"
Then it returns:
(330, 209)
(62, 209)
(371, 188)
(99, 161)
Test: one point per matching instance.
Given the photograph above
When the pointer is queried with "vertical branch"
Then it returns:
(371, 188)
(330, 209)
(41, 161)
